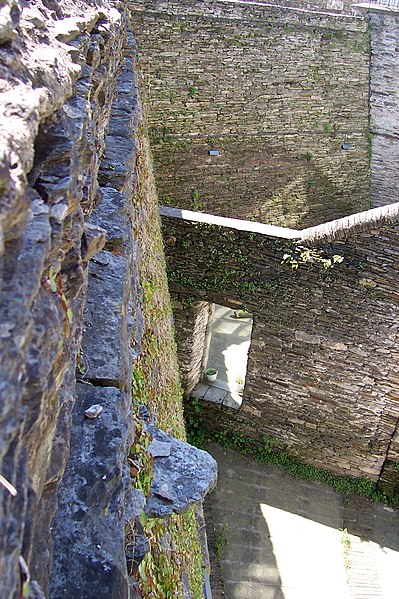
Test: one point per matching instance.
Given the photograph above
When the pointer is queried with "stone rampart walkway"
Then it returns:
(282, 538)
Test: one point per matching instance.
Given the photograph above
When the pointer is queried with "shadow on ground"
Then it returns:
(282, 538)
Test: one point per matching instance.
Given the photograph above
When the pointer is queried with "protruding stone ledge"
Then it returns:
(182, 476)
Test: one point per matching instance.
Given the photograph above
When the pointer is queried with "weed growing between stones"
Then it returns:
(346, 547)
(141, 463)
(266, 452)
(221, 541)
(310, 256)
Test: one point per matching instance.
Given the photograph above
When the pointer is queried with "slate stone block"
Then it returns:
(92, 498)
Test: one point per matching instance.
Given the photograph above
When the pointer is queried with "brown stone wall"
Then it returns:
(322, 369)
(190, 326)
(276, 91)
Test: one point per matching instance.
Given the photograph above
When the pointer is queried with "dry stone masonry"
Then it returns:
(71, 313)
(322, 368)
(287, 115)
(279, 93)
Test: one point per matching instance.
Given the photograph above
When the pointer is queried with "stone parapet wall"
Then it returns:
(276, 91)
(83, 298)
(338, 6)
(322, 367)
(59, 75)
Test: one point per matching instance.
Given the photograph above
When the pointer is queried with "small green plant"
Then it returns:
(266, 451)
(54, 284)
(221, 540)
(81, 365)
(211, 371)
(194, 422)
(140, 461)
(195, 201)
(312, 257)
(346, 547)
(327, 128)
(167, 200)
(309, 156)
(192, 91)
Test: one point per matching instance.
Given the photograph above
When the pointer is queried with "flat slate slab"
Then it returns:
(183, 474)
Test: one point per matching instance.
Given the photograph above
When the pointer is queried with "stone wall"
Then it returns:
(338, 6)
(384, 107)
(59, 73)
(190, 325)
(322, 369)
(73, 223)
(276, 91)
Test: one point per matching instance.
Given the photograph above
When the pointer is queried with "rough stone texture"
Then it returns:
(322, 368)
(107, 359)
(384, 107)
(92, 517)
(89, 541)
(276, 91)
(71, 124)
(190, 327)
(55, 97)
(181, 478)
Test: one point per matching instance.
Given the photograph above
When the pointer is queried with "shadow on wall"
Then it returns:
(271, 185)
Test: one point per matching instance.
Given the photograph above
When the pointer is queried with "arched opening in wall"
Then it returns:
(225, 357)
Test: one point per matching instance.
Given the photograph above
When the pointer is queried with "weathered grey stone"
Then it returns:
(141, 548)
(55, 140)
(110, 214)
(159, 449)
(307, 338)
(135, 504)
(92, 498)
(94, 238)
(180, 479)
(6, 24)
(107, 353)
(35, 592)
(93, 411)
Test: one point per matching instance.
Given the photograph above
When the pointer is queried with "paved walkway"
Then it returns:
(282, 538)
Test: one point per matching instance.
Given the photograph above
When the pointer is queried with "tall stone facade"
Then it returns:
(322, 367)
(282, 96)
(384, 107)
(287, 116)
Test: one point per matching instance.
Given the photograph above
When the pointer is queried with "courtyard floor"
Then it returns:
(275, 537)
